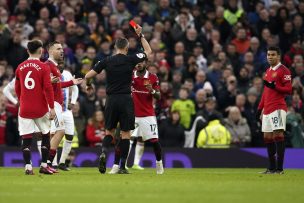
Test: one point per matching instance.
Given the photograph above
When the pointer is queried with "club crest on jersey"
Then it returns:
(287, 77)
(273, 75)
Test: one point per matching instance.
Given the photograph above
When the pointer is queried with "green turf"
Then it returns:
(86, 185)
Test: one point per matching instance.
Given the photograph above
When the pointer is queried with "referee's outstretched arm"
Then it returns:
(89, 80)
(144, 42)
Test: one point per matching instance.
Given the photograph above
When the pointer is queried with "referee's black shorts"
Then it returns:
(119, 108)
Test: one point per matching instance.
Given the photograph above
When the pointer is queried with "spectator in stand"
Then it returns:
(95, 130)
(214, 135)
(298, 24)
(185, 107)
(238, 128)
(229, 93)
(286, 36)
(190, 86)
(295, 49)
(222, 24)
(164, 11)
(240, 101)
(241, 41)
(201, 61)
(200, 98)
(232, 14)
(202, 83)
(171, 132)
(191, 68)
(3, 118)
(250, 115)
(257, 83)
(176, 83)
(243, 80)
(297, 103)
(80, 124)
(88, 104)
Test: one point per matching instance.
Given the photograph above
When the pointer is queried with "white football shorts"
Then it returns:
(58, 121)
(145, 127)
(29, 126)
(68, 122)
(274, 121)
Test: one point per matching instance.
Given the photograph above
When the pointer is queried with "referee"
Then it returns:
(119, 104)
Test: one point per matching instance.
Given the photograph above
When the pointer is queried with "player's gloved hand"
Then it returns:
(258, 114)
(270, 85)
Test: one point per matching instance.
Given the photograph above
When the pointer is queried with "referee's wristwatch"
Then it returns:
(153, 91)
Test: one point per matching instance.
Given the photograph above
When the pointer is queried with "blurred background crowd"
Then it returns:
(210, 57)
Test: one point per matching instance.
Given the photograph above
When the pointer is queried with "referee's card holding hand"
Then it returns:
(133, 24)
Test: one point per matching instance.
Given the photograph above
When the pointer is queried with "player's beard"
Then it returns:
(142, 71)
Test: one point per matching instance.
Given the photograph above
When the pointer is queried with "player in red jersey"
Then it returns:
(145, 87)
(55, 51)
(277, 85)
(35, 94)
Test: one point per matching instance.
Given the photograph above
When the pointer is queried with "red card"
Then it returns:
(133, 23)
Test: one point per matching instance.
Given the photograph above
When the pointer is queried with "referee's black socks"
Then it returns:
(106, 143)
(124, 150)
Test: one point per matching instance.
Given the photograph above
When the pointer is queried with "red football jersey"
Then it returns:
(58, 97)
(274, 99)
(33, 88)
(142, 98)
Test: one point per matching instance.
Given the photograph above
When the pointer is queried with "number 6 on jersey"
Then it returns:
(29, 83)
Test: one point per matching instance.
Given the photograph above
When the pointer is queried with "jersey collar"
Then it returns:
(145, 76)
(32, 58)
(275, 67)
(53, 61)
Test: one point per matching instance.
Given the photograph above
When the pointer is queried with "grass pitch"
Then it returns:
(85, 185)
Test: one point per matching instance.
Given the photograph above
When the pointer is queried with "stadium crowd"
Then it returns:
(210, 57)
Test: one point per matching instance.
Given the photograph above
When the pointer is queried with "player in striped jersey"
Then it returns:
(67, 115)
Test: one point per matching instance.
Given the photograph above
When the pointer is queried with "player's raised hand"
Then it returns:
(77, 81)
(52, 114)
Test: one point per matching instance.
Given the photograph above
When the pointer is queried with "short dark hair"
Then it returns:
(52, 44)
(34, 45)
(277, 49)
(121, 43)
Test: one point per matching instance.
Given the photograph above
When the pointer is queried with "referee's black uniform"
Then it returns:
(119, 104)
